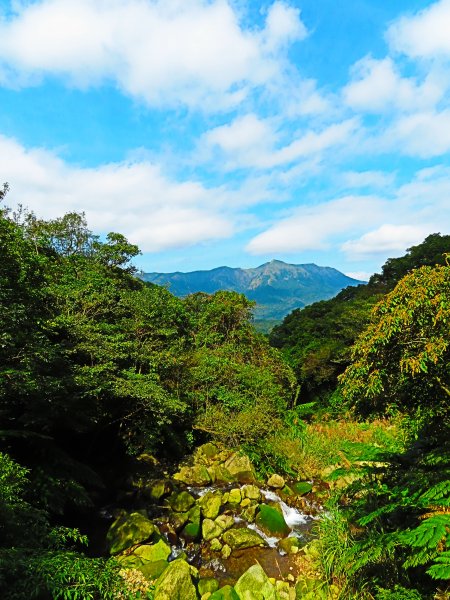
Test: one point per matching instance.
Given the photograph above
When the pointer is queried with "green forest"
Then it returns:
(108, 384)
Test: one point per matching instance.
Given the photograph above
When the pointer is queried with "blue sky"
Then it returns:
(216, 132)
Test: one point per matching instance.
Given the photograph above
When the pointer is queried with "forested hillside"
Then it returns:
(317, 340)
(97, 367)
(107, 382)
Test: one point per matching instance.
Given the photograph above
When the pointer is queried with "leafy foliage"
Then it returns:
(316, 340)
(96, 368)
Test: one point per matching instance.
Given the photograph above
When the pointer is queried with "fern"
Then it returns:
(441, 567)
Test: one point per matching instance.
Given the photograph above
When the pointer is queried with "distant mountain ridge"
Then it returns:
(277, 287)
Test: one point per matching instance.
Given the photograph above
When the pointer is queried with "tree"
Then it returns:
(403, 356)
(402, 361)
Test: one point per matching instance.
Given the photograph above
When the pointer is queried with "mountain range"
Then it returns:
(276, 287)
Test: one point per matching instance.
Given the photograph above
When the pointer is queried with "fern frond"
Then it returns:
(430, 533)
(439, 491)
(441, 567)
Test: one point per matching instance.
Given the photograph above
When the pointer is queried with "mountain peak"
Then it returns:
(277, 287)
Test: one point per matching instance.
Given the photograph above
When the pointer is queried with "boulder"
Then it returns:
(290, 545)
(215, 545)
(191, 532)
(242, 538)
(225, 593)
(240, 467)
(194, 515)
(224, 521)
(251, 491)
(284, 591)
(195, 475)
(129, 561)
(287, 491)
(205, 453)
(276, 481)
(207, 584)
(219, 474)
(179, 520)
(210, 529)
(301, 487)
(271, 521)
(249, 513)
(153, 553)
(180, 501)
(255, 585)
(234, 496)
(153, 570)
(210, 504)
(128, 530)
(158, 489)
(175, 583)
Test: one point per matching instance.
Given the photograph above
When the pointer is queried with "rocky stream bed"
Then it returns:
(212, 531)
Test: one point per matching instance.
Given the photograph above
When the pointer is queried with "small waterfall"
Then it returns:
(293, 517)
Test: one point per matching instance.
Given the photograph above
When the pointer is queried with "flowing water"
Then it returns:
(275, 562)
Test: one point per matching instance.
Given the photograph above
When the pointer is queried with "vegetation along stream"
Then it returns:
(159, 447)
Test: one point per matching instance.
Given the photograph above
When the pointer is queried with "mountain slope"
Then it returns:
(277, 287)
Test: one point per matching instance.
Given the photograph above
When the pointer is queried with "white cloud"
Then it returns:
(283, 25)
(251, 142)
(313, 227)
(244, 134)
(135, 198)
(377, 86)
(163, 52)
(366, 179)
(360, 275)
(387, 239)
(425, 34)
(423, 134)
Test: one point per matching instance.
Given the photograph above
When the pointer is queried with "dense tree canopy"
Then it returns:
(316, 340)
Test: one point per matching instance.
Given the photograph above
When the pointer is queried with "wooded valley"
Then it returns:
(107, 383)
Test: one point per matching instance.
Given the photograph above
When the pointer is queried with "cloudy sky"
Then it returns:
(216, 132)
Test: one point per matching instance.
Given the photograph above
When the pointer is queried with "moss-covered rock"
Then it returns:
(128, 530)
(255, 585)
(210, 529)
(191, 532)
(219, 474)
(207, 584)
(153, 570)
(215, 545)
(224, 522)
(251, 491)
(158, 489)
(290, 545)
(271, 521)
(210, 504)
(225, 593)
(178, 520)
(181, 501)
(205, 453)
(234, 496)
(276, 481)
(242, 538)
(301, 487)
(240, 467)
(130, 561)
(249, 513)
(195, 475)
(176, 583)
(154, 552)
